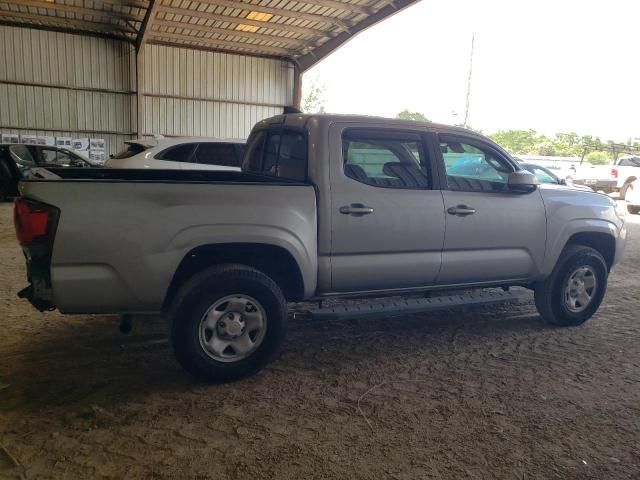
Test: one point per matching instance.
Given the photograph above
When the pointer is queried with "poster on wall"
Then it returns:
(64, 142)
(46, 140)
(80, 144)
(97, 144)
(97, 156)
(10, 138)
(97, 150)
(29, 139)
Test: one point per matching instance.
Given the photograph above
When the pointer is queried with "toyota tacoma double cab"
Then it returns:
(325, 206)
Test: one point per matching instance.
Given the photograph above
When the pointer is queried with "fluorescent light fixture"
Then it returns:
(246, 28)
(259, 16)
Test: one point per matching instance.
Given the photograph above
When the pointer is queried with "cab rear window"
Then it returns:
(278, 152)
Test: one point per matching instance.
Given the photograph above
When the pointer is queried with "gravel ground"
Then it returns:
(485, 393)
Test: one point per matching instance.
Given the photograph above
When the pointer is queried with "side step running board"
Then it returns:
(415, 305)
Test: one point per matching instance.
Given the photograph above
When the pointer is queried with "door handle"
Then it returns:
(461, 210)
(356, 209)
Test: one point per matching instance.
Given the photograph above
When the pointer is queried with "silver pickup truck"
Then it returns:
(326, 206)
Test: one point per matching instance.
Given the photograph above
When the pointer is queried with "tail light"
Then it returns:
(614, 172)
(33, 220)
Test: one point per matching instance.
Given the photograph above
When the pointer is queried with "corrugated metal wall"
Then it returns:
(58, 84)
(194, 92)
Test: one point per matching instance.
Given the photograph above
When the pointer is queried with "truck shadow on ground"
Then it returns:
(89, 362)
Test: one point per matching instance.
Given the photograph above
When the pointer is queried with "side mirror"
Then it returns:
(522, 182)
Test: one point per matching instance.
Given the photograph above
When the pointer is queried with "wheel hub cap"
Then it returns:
(580, 289)
(231, 325)
(232, 328)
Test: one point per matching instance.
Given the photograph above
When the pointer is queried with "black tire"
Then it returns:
(195, 298)
(4, 196)
(549, 294)
(633, 209)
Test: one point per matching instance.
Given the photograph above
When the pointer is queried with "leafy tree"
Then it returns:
(517, 141)
(598, 158)
(314, 101)
(546, 148)
(407, 115)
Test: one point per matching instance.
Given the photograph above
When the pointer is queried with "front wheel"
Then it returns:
(228, 322)
(575, 289)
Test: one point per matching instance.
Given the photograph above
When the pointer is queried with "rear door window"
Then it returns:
(219, 153)
(180, 153)
(630, 162)
(384, 159)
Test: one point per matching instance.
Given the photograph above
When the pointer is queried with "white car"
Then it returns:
(633, 197)
(180, 153)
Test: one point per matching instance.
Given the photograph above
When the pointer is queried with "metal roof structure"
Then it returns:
(302, 31)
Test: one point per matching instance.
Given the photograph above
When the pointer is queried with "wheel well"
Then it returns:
(602, 242)
(275, 262)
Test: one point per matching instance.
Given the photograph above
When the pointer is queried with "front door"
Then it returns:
(492, 234)
(387, 220)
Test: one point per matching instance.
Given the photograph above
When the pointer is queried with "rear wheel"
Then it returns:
(634, 209)
(575, 289)
(228, 322)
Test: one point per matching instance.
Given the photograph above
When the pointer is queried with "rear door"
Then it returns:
(387, 215)
(492, 234)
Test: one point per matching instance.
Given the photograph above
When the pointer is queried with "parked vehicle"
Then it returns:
(625, 171)
(326, 206)
(15, 159)
(544, 175)
(597, 177)
(180, 153)
(633, 197)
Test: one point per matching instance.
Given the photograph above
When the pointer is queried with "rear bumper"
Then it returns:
(607, 186)
(39, 292)
(29, 293)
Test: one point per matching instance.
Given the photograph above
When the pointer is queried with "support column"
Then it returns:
(297, 87)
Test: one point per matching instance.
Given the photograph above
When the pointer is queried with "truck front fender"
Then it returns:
(603, 235)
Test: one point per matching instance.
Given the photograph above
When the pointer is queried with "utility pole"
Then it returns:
(466, 108)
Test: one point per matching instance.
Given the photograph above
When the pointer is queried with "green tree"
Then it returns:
(517, 141)
(598, 158)
(407, 115)
(546, 148)
(314, 100)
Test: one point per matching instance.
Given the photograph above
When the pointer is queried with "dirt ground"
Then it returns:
(482, 394)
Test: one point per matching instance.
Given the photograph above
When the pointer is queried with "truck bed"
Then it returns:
(122, 234)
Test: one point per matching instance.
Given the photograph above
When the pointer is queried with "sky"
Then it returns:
(548, 65)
